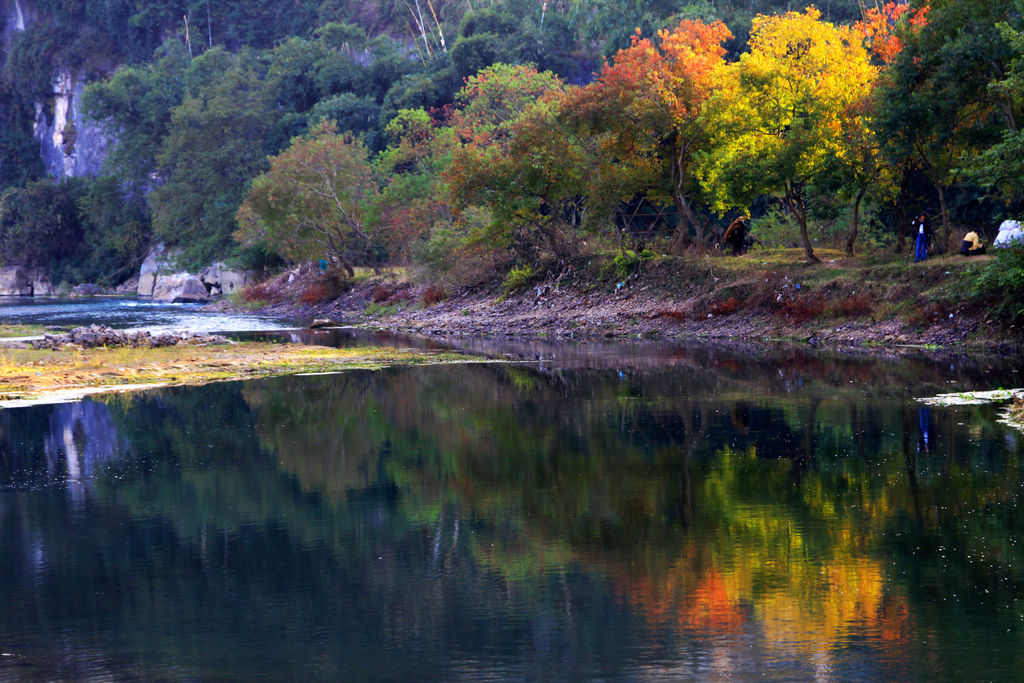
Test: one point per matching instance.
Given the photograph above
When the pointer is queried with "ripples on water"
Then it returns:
(129, 314)
(588, 511)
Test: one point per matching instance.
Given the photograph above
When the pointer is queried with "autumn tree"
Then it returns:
(513, 158)
(778, 120)
(412, 200)
(312, 202)
(648, 102)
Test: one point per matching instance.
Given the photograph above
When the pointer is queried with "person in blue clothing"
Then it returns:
(922, 229)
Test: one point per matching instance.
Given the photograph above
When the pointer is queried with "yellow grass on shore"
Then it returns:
(28, 375)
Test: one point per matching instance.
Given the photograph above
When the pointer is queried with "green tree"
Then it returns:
(40, 225)
(412, 202)
(134, 106)
(212, 150)
(313, 201)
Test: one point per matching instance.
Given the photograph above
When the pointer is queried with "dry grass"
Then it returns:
(26, 373)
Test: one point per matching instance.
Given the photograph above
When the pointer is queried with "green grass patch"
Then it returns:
(17, 330)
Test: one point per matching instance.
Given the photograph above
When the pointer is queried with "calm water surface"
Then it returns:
(592, 511)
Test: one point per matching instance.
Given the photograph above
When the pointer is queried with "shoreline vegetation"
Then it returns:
(30, 376)
(871, 300)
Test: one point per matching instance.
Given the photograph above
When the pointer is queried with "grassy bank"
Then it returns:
(15, 330)
(27, 374)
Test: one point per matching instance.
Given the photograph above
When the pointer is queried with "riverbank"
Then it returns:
(877, 299)
(48, 375)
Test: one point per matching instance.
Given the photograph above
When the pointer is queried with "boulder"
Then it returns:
(16, 281)
(129, 286)
(88, 289)
(41, 285)
(160, 279)
(157, 260)
(180, 288)
(221, 280)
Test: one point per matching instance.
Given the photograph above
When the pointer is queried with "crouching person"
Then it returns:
(972, 246)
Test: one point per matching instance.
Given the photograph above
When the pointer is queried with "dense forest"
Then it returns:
(476, 137)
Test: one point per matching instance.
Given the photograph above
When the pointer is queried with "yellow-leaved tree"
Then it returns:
(779, 121)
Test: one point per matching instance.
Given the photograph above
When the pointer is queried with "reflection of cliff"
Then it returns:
(82, 438)
(531, 506)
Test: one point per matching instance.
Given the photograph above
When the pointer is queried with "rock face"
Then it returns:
(156, 260)
(41, 285)
(160, 279)
(221, 280)
(71, 145)
(24, 281)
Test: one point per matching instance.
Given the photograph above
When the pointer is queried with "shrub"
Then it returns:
(315, 293)
(726, 307)
(803, 309)
(382, 293)
(626, 263)
(929, 314)
(1000, 285)
(518, 278)
(851, 306)
(261, 291)
(671, 313)
(432, 295)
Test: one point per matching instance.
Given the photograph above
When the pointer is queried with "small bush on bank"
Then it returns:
(625, 263)
(261, 291)
(518, 278)
(315, 293)
(1000, 285)
(433, 295)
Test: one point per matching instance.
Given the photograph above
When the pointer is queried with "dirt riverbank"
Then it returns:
(877, 300)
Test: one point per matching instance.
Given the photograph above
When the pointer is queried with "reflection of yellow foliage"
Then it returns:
(807, 589)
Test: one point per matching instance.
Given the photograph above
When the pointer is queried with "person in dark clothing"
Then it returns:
(922, 229)
(736, 235)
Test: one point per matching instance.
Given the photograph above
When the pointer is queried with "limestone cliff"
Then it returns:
(70, 145)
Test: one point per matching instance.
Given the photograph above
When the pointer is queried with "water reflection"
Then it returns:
(678, 514)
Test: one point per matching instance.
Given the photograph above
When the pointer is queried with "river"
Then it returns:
(638, 511)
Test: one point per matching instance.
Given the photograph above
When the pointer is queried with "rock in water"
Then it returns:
(98, 335)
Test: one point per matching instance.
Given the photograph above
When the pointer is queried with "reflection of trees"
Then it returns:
(643, 485)
(563, 504)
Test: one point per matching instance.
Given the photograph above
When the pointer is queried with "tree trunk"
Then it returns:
(680, 239)
(797, 207)
(901, 212)
(945, 217)
(855, 223)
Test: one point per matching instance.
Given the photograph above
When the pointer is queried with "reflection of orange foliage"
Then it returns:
(714, 608)
(808, 611)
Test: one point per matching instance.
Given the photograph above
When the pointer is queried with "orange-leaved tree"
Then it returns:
(645, 109)
(883, 27)
(778, 120)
